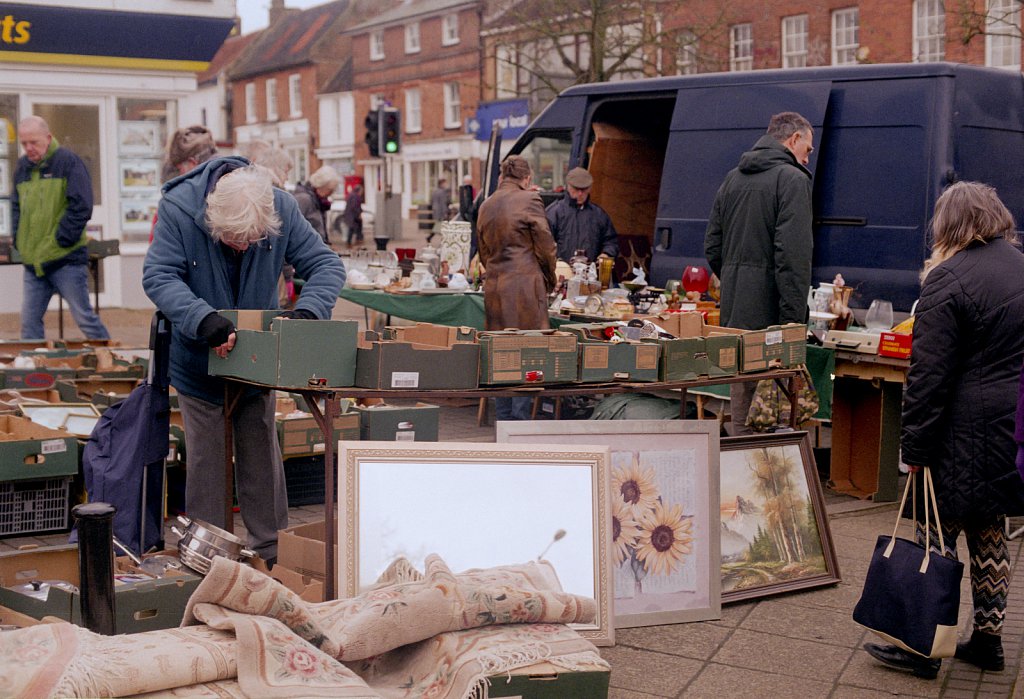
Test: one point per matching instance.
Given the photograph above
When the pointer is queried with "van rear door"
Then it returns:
(711, 127)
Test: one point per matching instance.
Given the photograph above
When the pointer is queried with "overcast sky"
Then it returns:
(254, 12)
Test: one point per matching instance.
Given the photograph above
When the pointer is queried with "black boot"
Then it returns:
(985, 650)
(892, 656)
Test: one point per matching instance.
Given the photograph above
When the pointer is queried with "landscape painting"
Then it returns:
(774, 533)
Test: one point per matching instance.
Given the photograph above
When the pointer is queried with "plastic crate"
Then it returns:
(31, 506)
(304, 479)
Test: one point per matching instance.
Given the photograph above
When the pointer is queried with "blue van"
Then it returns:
(888, 139)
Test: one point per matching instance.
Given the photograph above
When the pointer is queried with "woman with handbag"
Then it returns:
(960, 400)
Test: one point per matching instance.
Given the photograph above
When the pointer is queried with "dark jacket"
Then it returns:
(50, 205)
(587, 228)
(518, 254)
(758, 240)
(312, 208)
(186, 272)
(961, 393)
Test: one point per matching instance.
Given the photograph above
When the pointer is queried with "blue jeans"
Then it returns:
(71, 282)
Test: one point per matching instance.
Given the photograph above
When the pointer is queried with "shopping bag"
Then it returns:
(912, 594)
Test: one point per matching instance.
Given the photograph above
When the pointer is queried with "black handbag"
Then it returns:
(911, 594)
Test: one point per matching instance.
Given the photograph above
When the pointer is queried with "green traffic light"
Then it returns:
(391, 147)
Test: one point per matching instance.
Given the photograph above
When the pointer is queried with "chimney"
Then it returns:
(277, 10)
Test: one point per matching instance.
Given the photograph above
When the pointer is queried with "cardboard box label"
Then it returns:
(53, 446)
(773, 337)
(595, 356)
(405, 436)
(647, 357)
(405, 379)
(507, 360)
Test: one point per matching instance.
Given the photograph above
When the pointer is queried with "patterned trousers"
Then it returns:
(990, 566)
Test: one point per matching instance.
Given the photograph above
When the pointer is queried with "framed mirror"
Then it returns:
(664, 513)
(478, 506)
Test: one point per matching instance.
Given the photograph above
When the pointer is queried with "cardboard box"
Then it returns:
(775, 347)
(546, 681)
(396, 423)
(896, 345)
(684, 324)
(307, 588)
(301, 436)
(301, 549)
(601, 361)
(527, 356)
(423, 356)
(33, 378)
(31, 451)
(287, 352)
(852, 341)
(690, 358)
(142, 606)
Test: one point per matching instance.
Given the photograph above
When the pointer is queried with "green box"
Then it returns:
(31, 451)
(527, 356)
(301, 436)
(691, 358)
(546, 681)
(409, 363)
(141, 606)
(396, 423)
(33, 379)
(78, 390)
(775, 347)
(602, 361)
(288, 352)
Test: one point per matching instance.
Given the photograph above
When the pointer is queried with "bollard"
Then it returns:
(96, 565)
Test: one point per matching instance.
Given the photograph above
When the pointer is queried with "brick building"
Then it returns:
(422, 57)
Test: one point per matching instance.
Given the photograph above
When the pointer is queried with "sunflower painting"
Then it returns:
(772, 538)
(652, 538)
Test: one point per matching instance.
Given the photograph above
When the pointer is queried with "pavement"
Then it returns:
(800, 644)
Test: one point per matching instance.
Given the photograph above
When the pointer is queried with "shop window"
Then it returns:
(142, 130)
(8, 156)
(548, 156)
(77, 126)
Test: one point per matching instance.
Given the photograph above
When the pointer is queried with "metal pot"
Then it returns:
(200, 543)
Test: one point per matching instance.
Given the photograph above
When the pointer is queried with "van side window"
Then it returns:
(548, 155)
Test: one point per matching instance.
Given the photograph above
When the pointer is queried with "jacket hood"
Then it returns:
(766, 154)
(188, 192)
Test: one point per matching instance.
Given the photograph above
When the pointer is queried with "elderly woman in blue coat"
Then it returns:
(223, 232)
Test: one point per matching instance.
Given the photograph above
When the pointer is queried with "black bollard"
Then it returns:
(96, 565)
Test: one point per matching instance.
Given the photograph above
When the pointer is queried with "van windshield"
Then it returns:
(548, 155)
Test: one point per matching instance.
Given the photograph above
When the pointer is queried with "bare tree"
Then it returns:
(544, 46)
(973, 18)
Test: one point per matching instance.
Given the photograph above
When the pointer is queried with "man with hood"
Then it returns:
(223, 233)
(758, 240)
(50, 205)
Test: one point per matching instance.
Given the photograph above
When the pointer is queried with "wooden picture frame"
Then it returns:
(139, 138)
(477, 506)
(140, 176)
(137, 213)
(679, 460)
(761, 555)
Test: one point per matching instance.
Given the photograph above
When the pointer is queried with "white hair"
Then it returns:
(240, 209)
(326, 176)
(277, 161)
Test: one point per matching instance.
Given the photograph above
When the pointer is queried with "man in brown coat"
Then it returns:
(518, 254)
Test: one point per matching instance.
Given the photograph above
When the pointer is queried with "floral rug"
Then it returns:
(430, 634)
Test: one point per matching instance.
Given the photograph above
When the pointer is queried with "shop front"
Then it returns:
(107, 82)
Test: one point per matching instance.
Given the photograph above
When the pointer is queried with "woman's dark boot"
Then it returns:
(985, 650)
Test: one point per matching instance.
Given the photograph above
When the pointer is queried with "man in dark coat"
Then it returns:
(759, 241)
(577, 223)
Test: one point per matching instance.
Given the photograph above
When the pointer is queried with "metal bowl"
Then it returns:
(201, 542)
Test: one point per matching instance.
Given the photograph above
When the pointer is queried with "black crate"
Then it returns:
(304, 478)
(31, 506)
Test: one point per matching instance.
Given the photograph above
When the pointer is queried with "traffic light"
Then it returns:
(372, 136)
(390, 131)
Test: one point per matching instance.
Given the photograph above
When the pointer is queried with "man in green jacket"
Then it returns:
(51, 203)
(759, 240)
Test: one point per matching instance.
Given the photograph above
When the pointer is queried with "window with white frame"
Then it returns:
(845, 36)
(377, 45)
(250, 103)
(413, 111)
(686, 58)
(450, 29)
(272, 100)
(412, 37)
(794, 41)
(505, 72)
(295, 95)
(1002, 39)
(452, 106)
(929, 31)
(741, 47)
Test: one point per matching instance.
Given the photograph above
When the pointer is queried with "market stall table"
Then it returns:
(324, 418)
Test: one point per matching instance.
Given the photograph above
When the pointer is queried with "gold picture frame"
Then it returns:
(478, 506)
(679, 460)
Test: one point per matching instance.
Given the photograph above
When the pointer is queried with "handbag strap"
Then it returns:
(929, 498)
